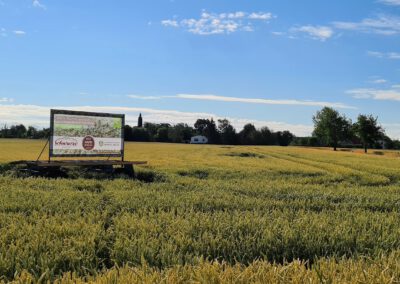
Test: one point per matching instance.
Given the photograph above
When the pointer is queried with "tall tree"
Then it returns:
(249, 135)
(284, 137)
(267, 136)
(368, 130)
(207, 128)
(331, 127)
(228, 132)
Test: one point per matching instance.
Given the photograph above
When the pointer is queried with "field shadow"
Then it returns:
(244, 155)
(82, 172)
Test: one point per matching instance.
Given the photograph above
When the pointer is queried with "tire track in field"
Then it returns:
(392, 174)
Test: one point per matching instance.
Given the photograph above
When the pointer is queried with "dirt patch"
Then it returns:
(200, 174)
(97, 173)
(245, 155)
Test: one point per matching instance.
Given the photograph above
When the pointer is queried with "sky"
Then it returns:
(271, 63)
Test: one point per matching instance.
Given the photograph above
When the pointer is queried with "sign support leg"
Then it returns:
(47, 142)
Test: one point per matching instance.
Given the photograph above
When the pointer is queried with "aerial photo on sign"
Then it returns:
(86, 134)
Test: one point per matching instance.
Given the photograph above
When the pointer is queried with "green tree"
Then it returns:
(228, 132)
(162, 134)
(267, 137)
(207, 128)
(331, 127)
(368, 130)
(249, 135)
(284, 137)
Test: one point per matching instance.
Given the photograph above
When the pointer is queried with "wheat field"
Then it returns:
(209, 214)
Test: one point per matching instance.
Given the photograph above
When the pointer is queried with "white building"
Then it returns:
(198, 140)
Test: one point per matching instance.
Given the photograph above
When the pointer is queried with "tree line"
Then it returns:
(221, 132)
(335, 130)
(330, 129)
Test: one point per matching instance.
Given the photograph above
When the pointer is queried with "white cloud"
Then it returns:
(6, 100)
(37, 4)
(393, 55)
(170, 23)
(378, 81)
(261, 16)
(391, 2)
(236, 15)
(396, 86)
(39, 116)
(144, 97)
(376, 54)
(261, 101)
(386, 55)
(376, 94)
(19, 32)
(223, 23)
(382, 24)
(278, 33)
(321, 33)
(210, 97)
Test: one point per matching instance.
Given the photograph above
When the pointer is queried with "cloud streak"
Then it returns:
(19, 32)
(321, 33)
(211, 97)
(144, 97)
(37, 4)
(261, 101)
(223, 23)
(390, 2)
(385, 55)
(382, 24)
(375, 94)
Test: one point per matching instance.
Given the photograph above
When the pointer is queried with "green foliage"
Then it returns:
(368, 130)
(331, 127)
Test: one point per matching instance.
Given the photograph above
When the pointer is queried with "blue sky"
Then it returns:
(272, 63)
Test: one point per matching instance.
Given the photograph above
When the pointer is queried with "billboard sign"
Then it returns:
(77, 134)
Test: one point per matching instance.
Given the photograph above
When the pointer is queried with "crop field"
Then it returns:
(206, 214)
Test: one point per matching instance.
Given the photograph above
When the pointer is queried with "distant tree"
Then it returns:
(44, 133)
(180, 132)
(151, 129)
(396, 144)
(368, 130)
(200, 126)
(284, 137)
(31, 132)
(331, 127)
(18, 131)
(162, 134)
(128, 133)
(249, 135)
(305, 141)
(267, 137)
(140, 134)
(227, 132)
(207, 128)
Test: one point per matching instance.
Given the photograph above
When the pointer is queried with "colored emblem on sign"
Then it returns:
(88, 143)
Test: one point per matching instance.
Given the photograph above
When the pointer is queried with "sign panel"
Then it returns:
(76, 134)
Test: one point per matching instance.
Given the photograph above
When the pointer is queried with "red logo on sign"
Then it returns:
(88, 143)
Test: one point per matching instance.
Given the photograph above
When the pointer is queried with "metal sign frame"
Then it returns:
(84, 113)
